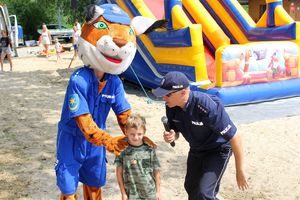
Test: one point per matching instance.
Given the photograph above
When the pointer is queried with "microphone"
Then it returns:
(164, 120)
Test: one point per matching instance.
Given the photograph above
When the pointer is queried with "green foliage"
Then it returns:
(246, 7)
(70, 15)
(32, 13)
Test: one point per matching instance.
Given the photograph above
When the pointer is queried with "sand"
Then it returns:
(30, 106)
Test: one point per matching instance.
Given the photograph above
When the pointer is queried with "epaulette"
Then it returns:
(202, 109)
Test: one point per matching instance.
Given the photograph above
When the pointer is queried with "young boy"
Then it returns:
(137, 166)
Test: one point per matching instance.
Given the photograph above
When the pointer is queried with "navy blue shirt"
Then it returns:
(203, 122)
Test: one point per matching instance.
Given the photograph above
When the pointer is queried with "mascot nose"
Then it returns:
(119, 42)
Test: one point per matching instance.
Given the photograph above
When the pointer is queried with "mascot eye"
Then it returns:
(131, 31)
(100, 25)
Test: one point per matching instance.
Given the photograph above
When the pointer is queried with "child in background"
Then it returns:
(137, 167)
(58, 49)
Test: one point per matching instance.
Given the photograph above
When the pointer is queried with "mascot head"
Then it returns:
(108, 37)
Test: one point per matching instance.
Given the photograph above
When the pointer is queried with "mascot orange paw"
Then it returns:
(149, 142)
(116, 144)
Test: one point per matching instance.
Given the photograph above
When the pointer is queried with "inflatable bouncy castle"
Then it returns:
(219, 47)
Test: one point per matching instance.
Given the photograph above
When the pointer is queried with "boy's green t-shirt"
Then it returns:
(138, 165)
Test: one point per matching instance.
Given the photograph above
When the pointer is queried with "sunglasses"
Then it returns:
(170, 94)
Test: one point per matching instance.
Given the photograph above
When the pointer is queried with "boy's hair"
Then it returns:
(136, 121)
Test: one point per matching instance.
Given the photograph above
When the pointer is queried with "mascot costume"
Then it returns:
(107, 46)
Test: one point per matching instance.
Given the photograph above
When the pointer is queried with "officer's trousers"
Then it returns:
(204, 173)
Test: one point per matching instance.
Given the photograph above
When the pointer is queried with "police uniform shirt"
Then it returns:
(203, 122)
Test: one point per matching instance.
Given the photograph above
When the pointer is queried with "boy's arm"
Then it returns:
(119, 173)
(156, 174)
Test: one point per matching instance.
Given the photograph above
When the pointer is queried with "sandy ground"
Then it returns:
(30, 106)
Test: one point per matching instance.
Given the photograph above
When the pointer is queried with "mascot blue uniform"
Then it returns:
(107, 46)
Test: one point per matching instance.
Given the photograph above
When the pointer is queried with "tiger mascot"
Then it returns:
(107, 46)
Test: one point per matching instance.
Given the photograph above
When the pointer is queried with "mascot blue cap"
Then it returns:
(113, 13)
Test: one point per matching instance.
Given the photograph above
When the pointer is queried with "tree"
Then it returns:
(32, 13)
(74, 13)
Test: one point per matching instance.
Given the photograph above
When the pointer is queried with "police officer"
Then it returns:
(212, 136)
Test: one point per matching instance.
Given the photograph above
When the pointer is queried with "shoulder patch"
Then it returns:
(74, 102)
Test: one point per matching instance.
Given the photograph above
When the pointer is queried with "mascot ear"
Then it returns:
(162, 23)
(146, 25)
(92, 12)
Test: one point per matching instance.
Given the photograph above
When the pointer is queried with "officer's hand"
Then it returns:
(149, 142)
(241, 180)
(169, 136)
(116, 144)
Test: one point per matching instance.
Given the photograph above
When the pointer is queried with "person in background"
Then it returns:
(137, 166)
(58, 49)
(78, 26)
(46, 39)
(75, 37)
(212, 136)
(6, 49)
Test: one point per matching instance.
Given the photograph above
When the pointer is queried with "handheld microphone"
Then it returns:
(164, 120)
